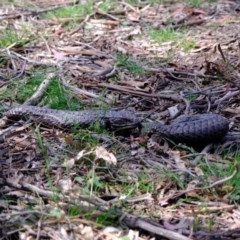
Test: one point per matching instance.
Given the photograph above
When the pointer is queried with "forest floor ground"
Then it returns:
(159, 59)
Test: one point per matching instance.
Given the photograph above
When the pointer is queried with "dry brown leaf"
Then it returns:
(102, 153)
(191, 185)
(71, 162)
(133, 83)
(65, 185)
(180, 164)
(198, 171)
(232, 110)
(173, 111)
(59, 55)
(133, 16)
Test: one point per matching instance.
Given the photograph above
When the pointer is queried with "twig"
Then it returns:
(133, 200)
(179, 73)
(227, 96)
(101, 12)
(190, 23)
(11, 131)
(45, 63)
(37, 96)
(129, 6)
(219, 182)
(177, 78)
(221, 52)
(78, 91)
(187, 104)
(81, 24)
(92, 201)
(12, 61)
(2, 215)
(15, 77)
(172, 97)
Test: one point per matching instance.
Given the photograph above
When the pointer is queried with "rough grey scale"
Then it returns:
(199, 128)
(66, 119)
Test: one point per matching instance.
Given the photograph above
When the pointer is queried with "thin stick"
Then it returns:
(219, 182)
(172, 97)
(37, 96)
(78, 91)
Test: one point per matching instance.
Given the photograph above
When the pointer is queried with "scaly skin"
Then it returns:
(199, 128)
(112, 119)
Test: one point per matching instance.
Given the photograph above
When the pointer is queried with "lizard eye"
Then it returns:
(116, 123)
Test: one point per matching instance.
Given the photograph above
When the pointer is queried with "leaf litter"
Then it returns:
(51, 182)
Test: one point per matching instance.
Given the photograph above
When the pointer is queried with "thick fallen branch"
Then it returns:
(140, 223)
(87, 201)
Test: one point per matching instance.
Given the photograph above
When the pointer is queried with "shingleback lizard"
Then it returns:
(113, 119)
(199, 128)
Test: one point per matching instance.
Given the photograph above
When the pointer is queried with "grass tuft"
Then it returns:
(189, 45)
(107, 5)
(9, 37)
(165, 35)
(194, 3)
(125, 61)
(109, 218)
(75, 11)
(56, 96)
(168, 34)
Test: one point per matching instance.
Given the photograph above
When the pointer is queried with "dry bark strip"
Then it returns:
(132, 91)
